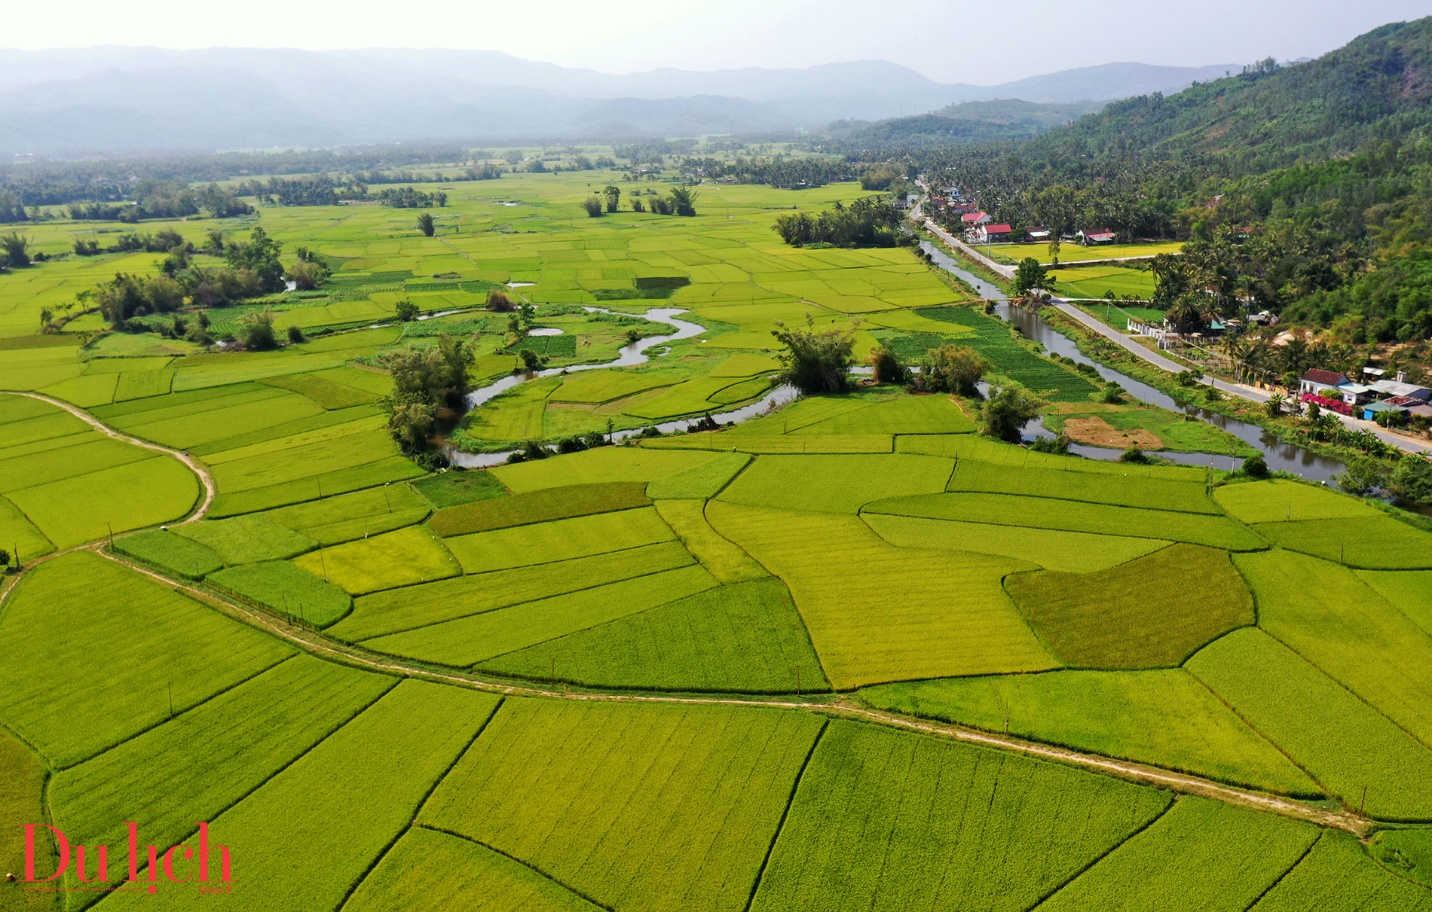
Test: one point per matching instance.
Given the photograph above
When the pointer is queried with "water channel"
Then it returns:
(1280, 456)
(628, 356)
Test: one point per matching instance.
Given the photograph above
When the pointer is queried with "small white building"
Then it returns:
(1322, 383)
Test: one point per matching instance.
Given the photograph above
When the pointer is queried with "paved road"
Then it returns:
(1250, 393)
(917, 212)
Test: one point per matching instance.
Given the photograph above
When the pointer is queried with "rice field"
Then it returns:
(1343, 743)
(1331, 618)
(746, 637)
(386, 761)
(1164, 718)
(538, 506)
(866, 547)
(283, 588)
(1150, 612)
(1099, 519)
(264, 724)
(162, 650)
(861, 835)
(652, 807)
(1201, 856)
(393, 559)
(947, 615)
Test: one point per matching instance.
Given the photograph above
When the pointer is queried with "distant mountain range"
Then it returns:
(125, 100)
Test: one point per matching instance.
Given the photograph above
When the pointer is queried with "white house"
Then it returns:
(1322, 383)
(992, 234)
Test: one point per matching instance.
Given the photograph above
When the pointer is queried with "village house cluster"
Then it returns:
(953, 207)
(1368, 397)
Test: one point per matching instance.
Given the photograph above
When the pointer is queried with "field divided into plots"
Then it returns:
(868, 547)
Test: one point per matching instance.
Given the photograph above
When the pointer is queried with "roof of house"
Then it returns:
(1385, 406)
(1421, 408)
(1357, 389)
(997, 229)
(1326, 378)
(1099, 235)
(1404, 401)
(1394, 388)
(973, 216)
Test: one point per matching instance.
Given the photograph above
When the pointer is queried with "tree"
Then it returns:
(4, 560)
(612, 196)
(887, 366)
(1029, 276)
(816, 361)
(406, 310)
(1274, 406)
(1255, 466)
(260, 256)
(295, 336)
(1007, 411)
(425, 224)
(953, 369)
(530, 361)
(1363, 477)
(1412, 480)
(256, 331)
(683, 201)
(17, 250)
(424, 380)
(593, 205)
(1054, 248)
(306, 275)
(498, 301)
(1185, 316)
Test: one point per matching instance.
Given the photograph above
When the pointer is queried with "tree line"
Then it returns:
(330, 190)
(252, 269)
(870, 221)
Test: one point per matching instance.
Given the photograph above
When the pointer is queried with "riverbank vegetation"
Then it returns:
(854, 549)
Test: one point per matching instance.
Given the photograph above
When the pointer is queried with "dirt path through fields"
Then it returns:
(317, 644)
(195, 466)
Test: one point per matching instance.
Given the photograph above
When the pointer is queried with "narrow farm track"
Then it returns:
(316, 644)
(9, 584)
(194, 465)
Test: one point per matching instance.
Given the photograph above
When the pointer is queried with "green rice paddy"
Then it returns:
(852, 552)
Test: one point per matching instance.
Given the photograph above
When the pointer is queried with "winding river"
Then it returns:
(628, 356)
(1280, 456)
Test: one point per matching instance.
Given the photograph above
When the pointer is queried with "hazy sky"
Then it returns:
(978, 41)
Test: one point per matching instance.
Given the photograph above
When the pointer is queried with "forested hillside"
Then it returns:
(1298, 185)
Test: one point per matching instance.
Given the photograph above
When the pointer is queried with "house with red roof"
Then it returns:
(971, 219)
(1095, 237)
(990, 234)
(1322, 383)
